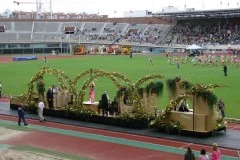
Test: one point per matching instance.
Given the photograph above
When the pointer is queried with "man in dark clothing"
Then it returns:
(104, 103)
(225, 69)
(21, 115)
(183, 107)
(114, 107)
(131, 54)
(221, 107)
(50, 98)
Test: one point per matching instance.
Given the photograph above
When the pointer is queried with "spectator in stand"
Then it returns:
(216, 154)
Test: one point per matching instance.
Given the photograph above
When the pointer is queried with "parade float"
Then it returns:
(137, 102)
(202, 119)
(79, 49)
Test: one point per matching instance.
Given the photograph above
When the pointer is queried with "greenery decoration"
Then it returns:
(120, 92)
(144, 118)
(185, 84)
(208, 96)
(20, 99)
(206, 92)
(126, 93)
(220, 125)
(171, 84)
(146, 78)
(140, 92)
(166, 126)
(41, 87)
(155, 87)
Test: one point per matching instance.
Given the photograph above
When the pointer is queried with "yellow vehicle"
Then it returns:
(126, 49)
(79, 49)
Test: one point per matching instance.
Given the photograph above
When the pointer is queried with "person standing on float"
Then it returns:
(92, 92)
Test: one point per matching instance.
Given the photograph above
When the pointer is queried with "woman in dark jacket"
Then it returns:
(104, 102)
(189, 154)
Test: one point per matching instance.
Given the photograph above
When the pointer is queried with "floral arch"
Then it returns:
(61, 76)
(114, 76)
(146, 78)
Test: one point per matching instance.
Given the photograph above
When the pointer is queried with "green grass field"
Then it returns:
(15, 76)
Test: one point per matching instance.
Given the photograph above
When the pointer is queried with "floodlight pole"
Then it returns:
(69, 43)
(194, 97)
(51, 13)
(79, 38)
(61, 41)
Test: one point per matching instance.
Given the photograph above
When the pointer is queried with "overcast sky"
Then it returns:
(109, 6)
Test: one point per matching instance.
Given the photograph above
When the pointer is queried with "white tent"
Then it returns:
(193, 47)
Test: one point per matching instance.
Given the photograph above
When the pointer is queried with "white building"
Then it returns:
(6, 14)
(169, 9)
(137, 13)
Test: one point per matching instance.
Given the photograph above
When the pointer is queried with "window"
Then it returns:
(25, 45)
(2, 45)
(52, 45)
(12, 46)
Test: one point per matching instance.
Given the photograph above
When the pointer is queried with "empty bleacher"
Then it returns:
(84, 31)
(22, 26)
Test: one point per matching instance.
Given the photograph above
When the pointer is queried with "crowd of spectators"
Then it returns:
(148, 34)
(201, 33)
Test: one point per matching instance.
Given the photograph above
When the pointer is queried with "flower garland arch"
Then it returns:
(136, 99)
(61, 76)
(146, 78)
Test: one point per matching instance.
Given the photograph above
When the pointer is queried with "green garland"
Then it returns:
(166, 126)
(208, 97)
(146, 78)
(155, 87)
(140, 92)
(220, 125)
(185, 84)
(171, 84)
(40, 86)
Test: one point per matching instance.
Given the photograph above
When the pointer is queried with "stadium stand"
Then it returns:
(160, 31)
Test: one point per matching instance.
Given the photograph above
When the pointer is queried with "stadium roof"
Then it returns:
(194, 14)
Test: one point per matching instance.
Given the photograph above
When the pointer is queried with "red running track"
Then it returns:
(102, 150)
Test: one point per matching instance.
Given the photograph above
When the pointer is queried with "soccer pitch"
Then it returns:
(15, 76)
